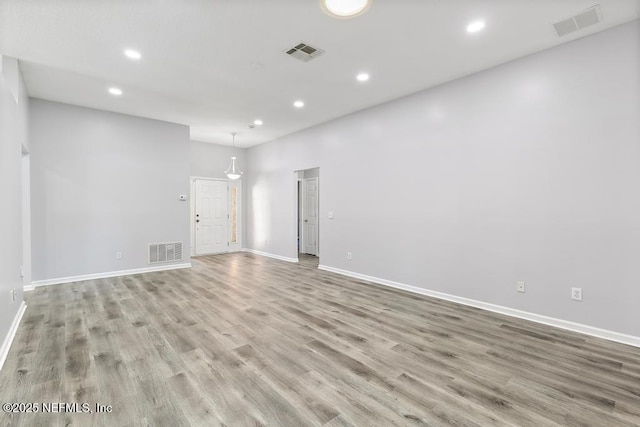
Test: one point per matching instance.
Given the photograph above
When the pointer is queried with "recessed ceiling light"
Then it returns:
(345, 8)
(115, 91)
(132, 54)
(475, 26)
(362, 77)
(298, 104)
(257, 122)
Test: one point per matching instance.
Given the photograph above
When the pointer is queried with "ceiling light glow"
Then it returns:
(475, 26)
(257, 122)
(362, 77)
(346, 8)
(132, 54)
(115, 91)
(298, 104)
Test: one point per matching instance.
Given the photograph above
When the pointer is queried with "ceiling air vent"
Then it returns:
(304, 52)
(578, 22)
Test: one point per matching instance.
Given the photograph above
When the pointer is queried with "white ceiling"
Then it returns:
(216, 65)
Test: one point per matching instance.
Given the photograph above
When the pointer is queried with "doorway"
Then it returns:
(215, 216)
(308, 224)
(26, 220)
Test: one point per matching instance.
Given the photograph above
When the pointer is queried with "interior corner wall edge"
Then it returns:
(103, 183)
(524, 172)
(14, 106)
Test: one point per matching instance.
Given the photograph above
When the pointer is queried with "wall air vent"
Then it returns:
(580, 21)
(165, 252)
(304, 52)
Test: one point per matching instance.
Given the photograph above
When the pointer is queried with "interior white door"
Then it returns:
(211, 217)
(310, 216)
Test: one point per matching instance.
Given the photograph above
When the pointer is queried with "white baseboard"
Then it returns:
(71, 279)
(538, 318)
(8, 340)
(267, 254)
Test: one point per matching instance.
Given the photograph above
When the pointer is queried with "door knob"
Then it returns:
(306, 220)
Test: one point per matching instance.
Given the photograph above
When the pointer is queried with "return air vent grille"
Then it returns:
(304, 52)
(165, 252)
(580, 21)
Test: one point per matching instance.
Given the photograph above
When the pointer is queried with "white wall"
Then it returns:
(528, 171)
(211, 160)
(13, 135)
(104, 182)
(311, 173)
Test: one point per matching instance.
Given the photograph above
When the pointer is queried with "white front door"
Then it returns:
(211, 216)
(310, 215)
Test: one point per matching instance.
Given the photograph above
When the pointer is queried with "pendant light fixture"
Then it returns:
(233, 172)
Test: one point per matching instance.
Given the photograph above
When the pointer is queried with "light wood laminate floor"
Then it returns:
(242, 340)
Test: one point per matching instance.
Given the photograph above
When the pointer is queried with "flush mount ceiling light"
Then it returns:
(475, 26)
(345, 8)
(298, 104)
(233, 172)
(132, 54)
(362, 77)
(115, 91)
(258, 122)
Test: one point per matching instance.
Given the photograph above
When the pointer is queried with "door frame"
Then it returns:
(317, 226)
(299, 216)
(26, 219)
(192, 212)
(298, 184)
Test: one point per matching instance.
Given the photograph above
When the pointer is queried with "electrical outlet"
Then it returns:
(118, 255)
(520, 287)
(576, 294)
(349, 256)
